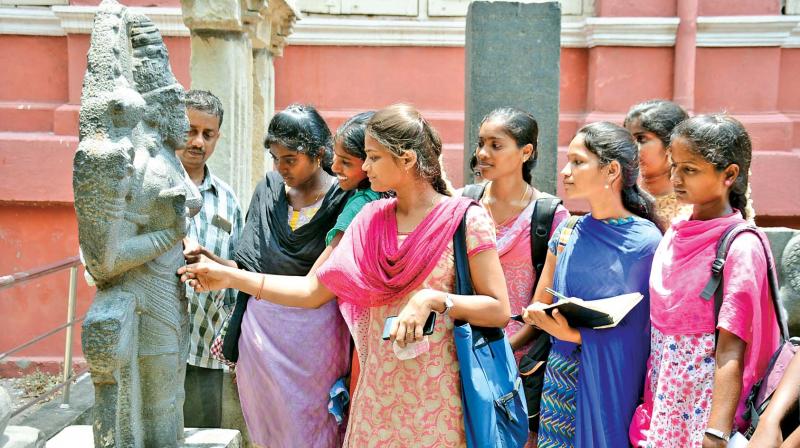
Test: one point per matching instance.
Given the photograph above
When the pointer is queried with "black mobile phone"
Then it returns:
(427, 329)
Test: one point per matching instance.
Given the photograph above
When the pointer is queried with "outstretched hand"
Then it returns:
(207, 275)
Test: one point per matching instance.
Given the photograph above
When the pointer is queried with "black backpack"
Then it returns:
(532, 364)
(761, 393)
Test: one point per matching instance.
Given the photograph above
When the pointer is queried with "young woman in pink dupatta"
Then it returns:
(396, 258)
(695, 392)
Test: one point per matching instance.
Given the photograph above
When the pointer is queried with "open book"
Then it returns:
(600, 313)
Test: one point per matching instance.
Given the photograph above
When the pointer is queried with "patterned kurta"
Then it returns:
(216, 227)
(514, 248)
(667, 209)
(416, 402)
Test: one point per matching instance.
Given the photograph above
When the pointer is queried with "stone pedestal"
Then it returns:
(24, 437)
(513, 55)
(233, 43)
(232, 416)
(80, 436)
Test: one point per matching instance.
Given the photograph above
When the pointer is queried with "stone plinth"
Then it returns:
(513, 55)
(80, 436)
(24, 437)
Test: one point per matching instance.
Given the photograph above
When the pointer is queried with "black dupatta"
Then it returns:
(269, 246)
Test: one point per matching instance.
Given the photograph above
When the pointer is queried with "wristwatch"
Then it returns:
(448, 304)
(718, 434)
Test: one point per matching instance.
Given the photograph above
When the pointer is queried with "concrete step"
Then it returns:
(26, 116)
(51, 418)
(81, 437)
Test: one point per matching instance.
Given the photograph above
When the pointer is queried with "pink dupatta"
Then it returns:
(681, 269)
(369, 269)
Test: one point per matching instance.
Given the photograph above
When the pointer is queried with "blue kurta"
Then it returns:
(591, 390)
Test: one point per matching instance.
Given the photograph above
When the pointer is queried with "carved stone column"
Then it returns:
(233, 42)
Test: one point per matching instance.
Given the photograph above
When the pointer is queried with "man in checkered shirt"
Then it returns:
(214, 232)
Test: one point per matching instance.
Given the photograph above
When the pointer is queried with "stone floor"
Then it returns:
(80, 436)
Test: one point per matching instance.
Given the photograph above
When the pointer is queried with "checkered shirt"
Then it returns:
(217, 227)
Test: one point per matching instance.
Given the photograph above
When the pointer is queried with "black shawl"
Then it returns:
(269, 246)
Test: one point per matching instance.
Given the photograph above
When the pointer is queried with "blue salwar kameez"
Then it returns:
(591, 390)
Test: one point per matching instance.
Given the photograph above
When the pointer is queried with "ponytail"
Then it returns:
(638, 202)
(440, 186)
(326, 160)
(527, 168)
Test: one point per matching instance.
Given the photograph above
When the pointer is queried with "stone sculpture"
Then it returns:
(132, 201)
(790, 283)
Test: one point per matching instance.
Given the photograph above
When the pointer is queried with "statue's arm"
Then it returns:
(140, 249)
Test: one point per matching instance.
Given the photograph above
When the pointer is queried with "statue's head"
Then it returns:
(155, 82)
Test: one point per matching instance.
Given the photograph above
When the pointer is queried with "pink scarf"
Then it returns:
(368, 268)
(681, 269)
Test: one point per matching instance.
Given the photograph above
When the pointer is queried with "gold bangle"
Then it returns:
(261, 288)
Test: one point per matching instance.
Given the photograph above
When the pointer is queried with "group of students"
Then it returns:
(356, 227)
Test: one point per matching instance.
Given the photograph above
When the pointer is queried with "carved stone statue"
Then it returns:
(790, 283)
(131, 199)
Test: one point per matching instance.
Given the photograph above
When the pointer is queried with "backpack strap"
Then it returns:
(566, 233)
(541, 222)
(474, 191)
(715, 286)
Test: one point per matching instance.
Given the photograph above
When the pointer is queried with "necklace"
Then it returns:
(618, 221)
(487, 200)
(324, 190)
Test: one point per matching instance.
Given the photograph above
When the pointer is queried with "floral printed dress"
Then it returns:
(681, 380)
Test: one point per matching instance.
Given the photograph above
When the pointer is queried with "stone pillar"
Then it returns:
(513, 55)
(263, 109)
(685, 54)
(233, 42)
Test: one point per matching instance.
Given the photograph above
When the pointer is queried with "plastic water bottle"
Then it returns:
(411, 350)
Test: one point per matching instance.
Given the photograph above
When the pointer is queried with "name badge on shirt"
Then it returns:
(222, 223)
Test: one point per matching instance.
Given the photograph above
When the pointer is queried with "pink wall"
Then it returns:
(622, 76)
(32, 236)
(752, 73)
(738, 7)
(635, 8)
(41, 78)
